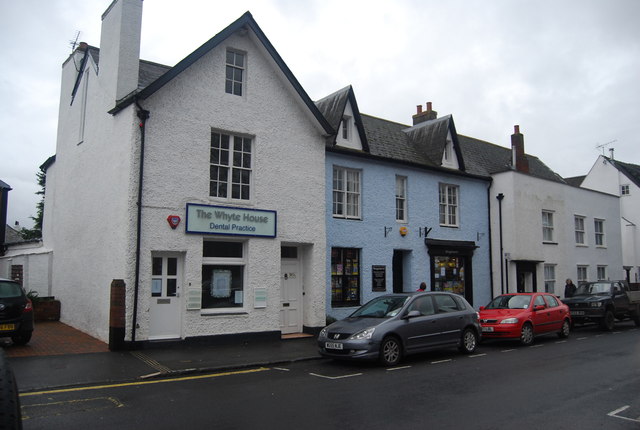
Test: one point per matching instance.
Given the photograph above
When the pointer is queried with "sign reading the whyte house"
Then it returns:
(230, 221)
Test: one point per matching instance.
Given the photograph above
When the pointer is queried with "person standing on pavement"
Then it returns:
(423, 287)
(569, 289)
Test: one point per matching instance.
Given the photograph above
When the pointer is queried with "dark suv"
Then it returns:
(16, 312)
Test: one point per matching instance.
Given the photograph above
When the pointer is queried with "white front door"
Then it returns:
(290, 297)
(164, 310)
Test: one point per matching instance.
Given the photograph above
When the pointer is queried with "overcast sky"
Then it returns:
(566, 71)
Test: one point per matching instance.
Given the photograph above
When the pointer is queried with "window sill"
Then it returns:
(601, 246)
(221, 313)
(449, 226)
(347, 219)
(549, 243)
(581, 245)
(343, 305)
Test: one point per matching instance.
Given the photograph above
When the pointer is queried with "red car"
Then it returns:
(524, 316)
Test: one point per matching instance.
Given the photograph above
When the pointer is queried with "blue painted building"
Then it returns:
(401, 208)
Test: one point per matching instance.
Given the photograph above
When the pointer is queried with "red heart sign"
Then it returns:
(173, 221)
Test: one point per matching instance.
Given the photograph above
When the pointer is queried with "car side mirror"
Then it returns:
(539, 308)
(412, 314)
(481, 308)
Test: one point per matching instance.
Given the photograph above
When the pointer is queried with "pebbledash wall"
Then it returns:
(92, 190)
(376, 235)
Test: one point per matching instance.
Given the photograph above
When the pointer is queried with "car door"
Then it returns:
(418, 332)
(557, 312)
(541, 318)
(450, 319)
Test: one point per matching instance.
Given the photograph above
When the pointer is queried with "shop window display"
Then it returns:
(449, 274)
(345, 277)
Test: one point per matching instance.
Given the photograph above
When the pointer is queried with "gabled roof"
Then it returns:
(245, 22)
(333, 107)
(484, 158)
(432, 135)
(575, 181)
(631, 171)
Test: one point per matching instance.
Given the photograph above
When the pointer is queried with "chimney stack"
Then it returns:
(518, 159)
(120, 48)
(427, 115)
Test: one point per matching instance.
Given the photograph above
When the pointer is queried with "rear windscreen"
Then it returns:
(10, 289)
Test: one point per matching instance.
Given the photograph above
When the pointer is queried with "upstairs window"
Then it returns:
(598, 225)
(401, 198)
(624, 190)
(230, 166)
(448, 195)
(234, 72)
(579, 227)
(346, 128)
(547, 226)
(346, 193)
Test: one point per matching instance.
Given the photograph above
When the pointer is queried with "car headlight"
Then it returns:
(364, 334)
(596, 304)
(509, 321)
(323, 332)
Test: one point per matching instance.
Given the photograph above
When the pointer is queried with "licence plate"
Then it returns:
(7, 327)
(577, 313)
(332, 345)
(487, 329)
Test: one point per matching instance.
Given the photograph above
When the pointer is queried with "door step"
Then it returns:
(295, 336)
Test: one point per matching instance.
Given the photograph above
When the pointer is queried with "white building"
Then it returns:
(622, 179)
(544, 230)
(199, 187)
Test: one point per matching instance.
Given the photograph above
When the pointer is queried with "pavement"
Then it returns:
(59, 356)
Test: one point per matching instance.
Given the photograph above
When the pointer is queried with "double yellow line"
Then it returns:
(155, 381)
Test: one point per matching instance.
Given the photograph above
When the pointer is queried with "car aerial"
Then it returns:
(16, 312)
(523, 316)
(394, 325)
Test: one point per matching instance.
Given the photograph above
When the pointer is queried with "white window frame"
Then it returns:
(234, 173)
(625, 190)
(345, 128)
(347, 195)
(235, 69)
(550, 278)
(401, 198)
(547, 226)
(582, 274)
(580, 233)
(601, 273)
(599, 232)
(229, 261)
(449, 198)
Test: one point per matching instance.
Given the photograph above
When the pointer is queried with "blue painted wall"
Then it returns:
(378, 211)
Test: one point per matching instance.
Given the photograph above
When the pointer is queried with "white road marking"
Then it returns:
(508, 350)
(582, 338)
(536, 346)
(441, 361)
(281, 369)
(398, 368)
(624, 408)
(476, 355)
(335, 377)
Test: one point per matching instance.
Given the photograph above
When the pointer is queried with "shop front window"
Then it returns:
(222, 275)
(345, 277)
(449, 274)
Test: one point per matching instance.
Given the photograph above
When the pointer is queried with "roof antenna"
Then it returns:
(74, 43)
(603, 145)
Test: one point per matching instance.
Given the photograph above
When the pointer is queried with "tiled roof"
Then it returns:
(631, 171)
(332, 106)
(575, 181)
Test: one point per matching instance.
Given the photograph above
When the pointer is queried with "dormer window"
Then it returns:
(234, 72)
(447, 153)
(346, 128)
(449, 158)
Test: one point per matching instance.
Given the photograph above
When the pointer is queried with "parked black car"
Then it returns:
(603, 302)
(16, 312)
(391, 326)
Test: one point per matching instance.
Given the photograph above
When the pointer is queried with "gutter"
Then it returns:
(143, 115)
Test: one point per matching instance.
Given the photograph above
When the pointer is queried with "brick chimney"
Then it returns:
(120, 48)
(518, 159)
(427, 115)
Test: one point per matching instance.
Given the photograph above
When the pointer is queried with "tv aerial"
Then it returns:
(604, 145)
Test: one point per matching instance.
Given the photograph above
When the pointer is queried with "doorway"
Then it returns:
(398, 271)
(290, 291)
(526, 281)
(164, 308)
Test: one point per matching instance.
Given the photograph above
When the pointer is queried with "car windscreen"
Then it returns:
(510, 302)
(593, 288)
(10, 289)
(381, 307)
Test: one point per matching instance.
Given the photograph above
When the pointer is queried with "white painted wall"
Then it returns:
(525, 198)
(605, 177)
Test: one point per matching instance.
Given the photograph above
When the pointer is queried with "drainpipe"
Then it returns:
(490, 241)
(500, 197)
(143, 115)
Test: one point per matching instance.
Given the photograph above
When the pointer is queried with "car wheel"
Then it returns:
(390, 351)
(21, 339)
(608, 321)
(10, 415)
(468, 341)
(566, 328)
(526, 334)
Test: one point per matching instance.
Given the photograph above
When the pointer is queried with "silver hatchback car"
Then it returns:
(394, 325)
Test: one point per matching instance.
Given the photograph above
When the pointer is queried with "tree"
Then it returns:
(36, 231)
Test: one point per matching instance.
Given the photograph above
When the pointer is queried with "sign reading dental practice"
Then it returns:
(230, 221)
